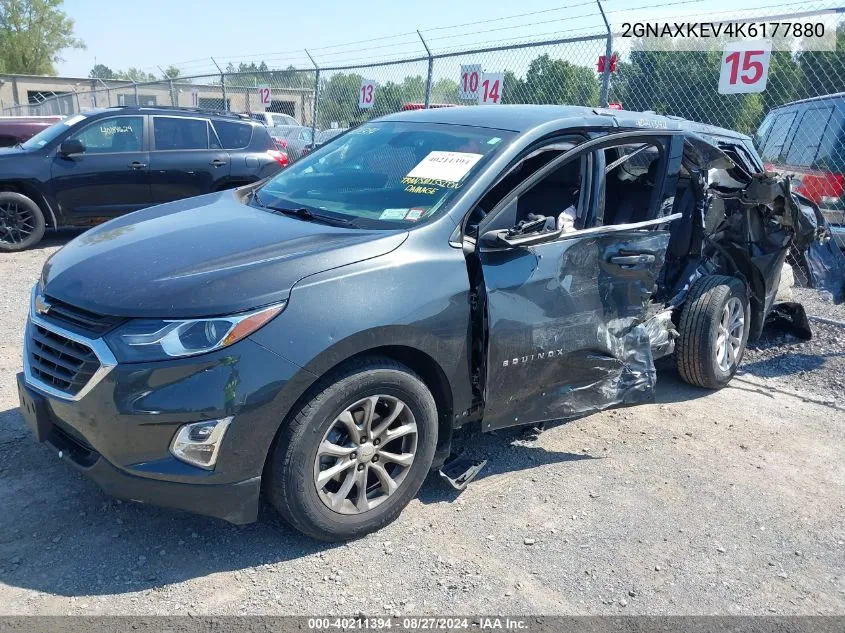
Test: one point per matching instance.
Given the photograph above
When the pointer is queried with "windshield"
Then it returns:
(48, 134)
(386, 174)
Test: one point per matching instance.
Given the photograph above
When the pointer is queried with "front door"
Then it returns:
(186, 159)
(566, 312)
(110, 177)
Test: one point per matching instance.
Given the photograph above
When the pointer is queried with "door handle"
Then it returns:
(632, 260)
(136, 164)
(217, 162)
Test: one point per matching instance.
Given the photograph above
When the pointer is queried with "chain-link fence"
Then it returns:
(807, 140)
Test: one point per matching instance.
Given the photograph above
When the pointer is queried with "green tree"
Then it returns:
(171, 72)
(823, 72)
(136, 75)
(32, 34)
(553, 81)
(101, 71)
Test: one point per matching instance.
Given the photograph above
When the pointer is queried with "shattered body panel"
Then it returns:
(565, 318)
(568, 333)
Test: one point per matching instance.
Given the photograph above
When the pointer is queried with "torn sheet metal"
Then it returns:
(563, 315)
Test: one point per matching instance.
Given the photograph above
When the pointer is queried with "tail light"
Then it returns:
(281, 143)
(821, 187)
(279, 156)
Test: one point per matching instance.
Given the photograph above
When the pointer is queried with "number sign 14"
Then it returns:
(745, 67)
(366, 95)
(491, 88)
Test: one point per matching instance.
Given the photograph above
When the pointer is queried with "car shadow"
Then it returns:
(56, 238)
(60, 535)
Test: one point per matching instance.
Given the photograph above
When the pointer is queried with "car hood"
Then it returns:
(204, 256)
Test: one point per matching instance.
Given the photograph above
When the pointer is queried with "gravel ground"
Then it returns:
(726, 502)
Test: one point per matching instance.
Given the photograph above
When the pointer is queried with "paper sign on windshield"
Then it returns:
(448, 166)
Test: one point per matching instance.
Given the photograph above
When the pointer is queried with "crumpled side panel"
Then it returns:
(567, 332)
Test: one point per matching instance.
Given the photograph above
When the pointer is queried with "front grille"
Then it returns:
(60, 362)
(69, 315)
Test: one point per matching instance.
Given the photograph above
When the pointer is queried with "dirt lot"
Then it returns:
(729, 502)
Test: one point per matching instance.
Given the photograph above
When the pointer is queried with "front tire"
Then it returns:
(713, 329)
(356, 454)
(21, 222)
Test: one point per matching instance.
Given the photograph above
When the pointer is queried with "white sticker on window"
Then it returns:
(393, 214)
(448, 166)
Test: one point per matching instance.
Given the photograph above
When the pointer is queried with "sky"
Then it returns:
(158, 33)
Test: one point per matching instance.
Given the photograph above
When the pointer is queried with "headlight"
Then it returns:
(142, 340)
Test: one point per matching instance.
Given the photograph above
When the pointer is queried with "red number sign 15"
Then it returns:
(745, 67)
(752, 69)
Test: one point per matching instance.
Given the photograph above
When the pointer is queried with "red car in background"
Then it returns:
(17, 129)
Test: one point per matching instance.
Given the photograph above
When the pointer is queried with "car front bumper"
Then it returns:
(119, 433)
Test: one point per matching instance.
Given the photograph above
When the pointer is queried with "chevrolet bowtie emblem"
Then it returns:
(41, 306)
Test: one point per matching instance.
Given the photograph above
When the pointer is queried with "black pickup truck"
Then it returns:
(318, 338)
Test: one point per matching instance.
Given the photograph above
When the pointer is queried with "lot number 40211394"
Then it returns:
(745, 67)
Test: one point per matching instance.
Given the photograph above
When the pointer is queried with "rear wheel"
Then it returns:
(21, 222)
(356, 454)
(713, 331)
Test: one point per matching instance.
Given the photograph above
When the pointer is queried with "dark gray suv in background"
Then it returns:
(321, 337)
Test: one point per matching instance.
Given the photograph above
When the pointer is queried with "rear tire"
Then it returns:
(320, 438)
(713, 329)
(22, 223)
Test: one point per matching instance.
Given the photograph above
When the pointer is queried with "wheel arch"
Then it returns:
(745, 270)
(417, 360)
(31, 191)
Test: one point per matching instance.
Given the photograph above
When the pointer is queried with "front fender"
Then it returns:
(415, 300)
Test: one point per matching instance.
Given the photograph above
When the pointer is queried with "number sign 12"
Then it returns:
(745, 67)
(491, 88)
(265, 94)
(366, 96)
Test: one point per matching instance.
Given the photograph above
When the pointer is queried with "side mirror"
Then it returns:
(500, 239)
(71, 146)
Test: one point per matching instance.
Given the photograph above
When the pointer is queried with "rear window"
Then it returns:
(233, 134)
(808, 136)
(778, 131)
(173, 133)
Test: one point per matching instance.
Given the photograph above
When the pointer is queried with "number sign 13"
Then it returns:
(745, 67)
(366, 95)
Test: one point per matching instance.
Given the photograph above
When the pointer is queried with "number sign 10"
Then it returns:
(470, 78)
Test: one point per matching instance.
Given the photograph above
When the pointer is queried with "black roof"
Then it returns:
(521, 118)
(171, 110)
(835, 95)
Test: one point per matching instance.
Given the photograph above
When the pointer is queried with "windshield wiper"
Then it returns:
(306, 214)
(300, 212)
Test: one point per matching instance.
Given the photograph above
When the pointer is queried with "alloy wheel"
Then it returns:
(17, 223)
(729, 338)
(366, 454)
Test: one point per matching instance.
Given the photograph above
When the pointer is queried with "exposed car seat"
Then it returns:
(552, 195)
(629, 201)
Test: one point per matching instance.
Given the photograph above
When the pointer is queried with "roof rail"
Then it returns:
(223, 113)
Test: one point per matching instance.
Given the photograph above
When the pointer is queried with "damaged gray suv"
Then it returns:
(318, 338)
